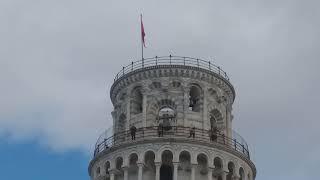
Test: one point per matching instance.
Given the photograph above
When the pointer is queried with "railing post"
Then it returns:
(142, 62)
(122, 71)
(132, 66)
(170, 59)
(156, 60)
(243, 148)
(235, 144)
(198, 62)
(219, 70)
(184, 61)
(209, 65)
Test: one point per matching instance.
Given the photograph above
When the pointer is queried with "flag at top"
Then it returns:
(143, 34)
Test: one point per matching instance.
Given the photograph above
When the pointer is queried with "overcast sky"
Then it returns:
(58, 59)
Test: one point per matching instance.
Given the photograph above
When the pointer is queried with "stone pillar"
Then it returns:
(111, 175)
(210, 170)
(205, 121)
(193, 172)
(175, 171)
(128, 113)
(185, 104)
(140, 165)
(144, 110)
(224, 175)
(158, 165)
(125, 173)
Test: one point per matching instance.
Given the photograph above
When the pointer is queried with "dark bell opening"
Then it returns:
(165, 172)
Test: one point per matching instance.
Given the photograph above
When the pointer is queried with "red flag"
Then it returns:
(143, 34)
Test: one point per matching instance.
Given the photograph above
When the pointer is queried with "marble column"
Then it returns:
(111, 176)
(158, 165)
(140, 165)
(224, 175)
(193, 172)
(175, 171)
(210, 170)
(125, 173)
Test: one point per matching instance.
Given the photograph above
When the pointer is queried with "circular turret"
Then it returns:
(172, 119)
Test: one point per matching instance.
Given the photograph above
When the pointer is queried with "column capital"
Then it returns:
(175, 163)
(157, 164)
(140, 164)
(125, 168)
(113, 171)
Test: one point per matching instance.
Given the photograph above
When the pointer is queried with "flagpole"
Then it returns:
(141, 30)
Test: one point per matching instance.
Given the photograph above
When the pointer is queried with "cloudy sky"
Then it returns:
(58, 59)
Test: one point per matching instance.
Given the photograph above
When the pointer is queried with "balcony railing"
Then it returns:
(171, 60)
(176, 132)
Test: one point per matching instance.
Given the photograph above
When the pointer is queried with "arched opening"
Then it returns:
(202, 160)
(217, 172)
(150, 168)
(184, 168)
(231, 170)
(194, 98)
(136, 101)
(166, 167)
(119, 164)
(166, 117)
(107, 168)
(133, 167)
(215, 118)
(165, 172)
(241, 174)
(97, 171)
(185, 161)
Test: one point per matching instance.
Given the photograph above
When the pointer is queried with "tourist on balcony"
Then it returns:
(133, 131)
(160, 130)
(192, 132)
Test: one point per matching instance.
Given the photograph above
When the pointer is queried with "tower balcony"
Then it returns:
(236, 144)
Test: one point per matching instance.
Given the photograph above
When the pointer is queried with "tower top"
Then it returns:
(204, 69)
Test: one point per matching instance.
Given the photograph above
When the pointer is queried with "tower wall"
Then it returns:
(172, 120)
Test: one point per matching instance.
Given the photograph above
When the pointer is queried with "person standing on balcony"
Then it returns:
(192, 132)
(133, 131)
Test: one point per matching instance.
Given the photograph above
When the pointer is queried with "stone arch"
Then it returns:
(98, 171)
(162, 149)
(107, 167)
(155, 105)
(149, 159)
(218, 163)
(203, 162)
(166, 169)
(195, 97)
(185, 160)
(215, 117)
(133, 159)
(241, 174)
(119, 162)
(136, 102)
(231, 169)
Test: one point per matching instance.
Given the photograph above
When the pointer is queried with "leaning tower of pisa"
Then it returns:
(172, 120)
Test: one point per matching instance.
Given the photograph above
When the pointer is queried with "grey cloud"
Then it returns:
(58, 59)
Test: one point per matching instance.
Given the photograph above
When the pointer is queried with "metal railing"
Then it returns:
(171, 60)
(176, 132)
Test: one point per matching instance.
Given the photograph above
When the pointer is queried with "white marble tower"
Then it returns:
(172, 120)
